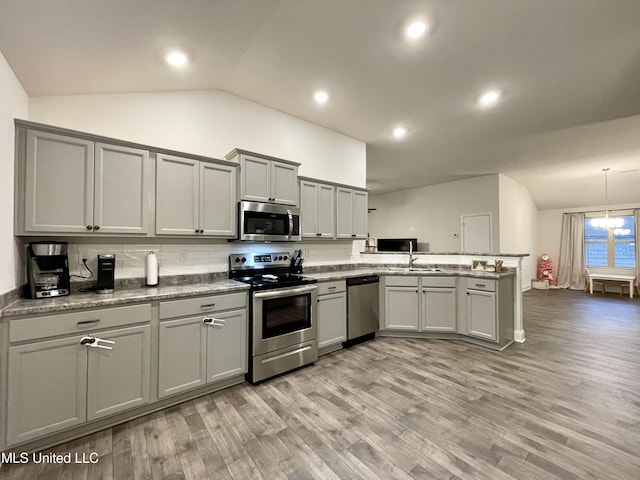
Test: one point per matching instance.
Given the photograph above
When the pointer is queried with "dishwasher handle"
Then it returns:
(352, 282)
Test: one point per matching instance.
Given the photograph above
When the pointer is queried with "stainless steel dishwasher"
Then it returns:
(362, 308)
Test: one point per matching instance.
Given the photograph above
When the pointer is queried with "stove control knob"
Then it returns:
(280, 257)
(244, 259)
(286, 258)
(237, 259)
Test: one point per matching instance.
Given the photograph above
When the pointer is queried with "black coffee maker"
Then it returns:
(48, 269)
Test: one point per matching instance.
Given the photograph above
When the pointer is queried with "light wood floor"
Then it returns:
(564, 405)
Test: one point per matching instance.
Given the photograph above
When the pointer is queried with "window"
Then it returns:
(612, 247)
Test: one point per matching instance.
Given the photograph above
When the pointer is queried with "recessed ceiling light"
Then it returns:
(176, 59)
(399, 132)
(416, 29)
(321, 97)
(489, 98)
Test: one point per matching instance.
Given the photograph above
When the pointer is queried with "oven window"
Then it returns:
(286, 315)
(260, 223)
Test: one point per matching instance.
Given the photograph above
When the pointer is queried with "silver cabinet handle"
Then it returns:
(95, 342)
(207, 305)
(331, 288)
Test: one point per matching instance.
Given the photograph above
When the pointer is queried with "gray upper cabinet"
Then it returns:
(72, 185)
(195, 197)
(317, 210)
(266, 179)
(351, 213)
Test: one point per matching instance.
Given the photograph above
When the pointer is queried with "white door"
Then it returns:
(476, 233)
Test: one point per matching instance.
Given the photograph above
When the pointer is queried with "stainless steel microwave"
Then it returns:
(264, 222)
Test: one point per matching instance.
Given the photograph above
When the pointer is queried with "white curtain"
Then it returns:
(636, 217)
(571, 263)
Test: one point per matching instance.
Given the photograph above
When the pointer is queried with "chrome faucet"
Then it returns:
(410, 254)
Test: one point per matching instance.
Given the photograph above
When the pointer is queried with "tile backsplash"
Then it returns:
(192, 258)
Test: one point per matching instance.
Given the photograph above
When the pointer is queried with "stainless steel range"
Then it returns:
(283, 312)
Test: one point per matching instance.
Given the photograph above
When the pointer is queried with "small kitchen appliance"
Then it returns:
(283, 311)
(48, 269)
(106, 273)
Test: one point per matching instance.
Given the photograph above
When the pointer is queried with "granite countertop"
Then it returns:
(466, 254)
(124, 296)
(405, 271)
(120, 297)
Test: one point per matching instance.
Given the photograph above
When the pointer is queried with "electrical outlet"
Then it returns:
(83, 258)
(183, 255)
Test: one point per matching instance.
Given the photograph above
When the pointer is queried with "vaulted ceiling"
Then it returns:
(569, 72)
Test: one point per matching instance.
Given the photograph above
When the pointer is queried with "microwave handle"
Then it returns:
(290, 215)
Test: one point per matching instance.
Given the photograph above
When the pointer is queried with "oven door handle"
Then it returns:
(290, 215)
(284, 292)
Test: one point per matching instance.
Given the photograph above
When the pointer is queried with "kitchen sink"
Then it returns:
(425, 269)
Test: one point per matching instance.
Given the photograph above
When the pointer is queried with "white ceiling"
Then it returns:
(569, 69)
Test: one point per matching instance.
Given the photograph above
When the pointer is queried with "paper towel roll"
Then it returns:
(151, 269)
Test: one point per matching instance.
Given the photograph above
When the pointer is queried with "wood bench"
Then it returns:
(622, 280)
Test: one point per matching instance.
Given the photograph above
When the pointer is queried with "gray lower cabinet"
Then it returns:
(332, 314)
(195, 198)
(489, 309)
(438, 304)
(61, 383)
(119, 379)
(72, 185)
(401, 308)
(47, 389)
(201, 348)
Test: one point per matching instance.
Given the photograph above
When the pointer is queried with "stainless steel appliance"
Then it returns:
(268, 223)
(362, 308)
(48, 269)
(106, 273)
(283, 313)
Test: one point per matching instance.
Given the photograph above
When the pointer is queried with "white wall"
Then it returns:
(432, 213)
(13, 103)
(518, 225)
(550, 226)
(209, 123)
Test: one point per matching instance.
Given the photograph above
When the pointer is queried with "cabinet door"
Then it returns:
(47, 388)
(119, 379)
(360, 209)
(58, 184)
(255, 183)
(218, 207)
(438, 310)
(332, 319)
(401, 308)
(284, 183)
(326, 211)
(481, 314)
(344, 216)
(182, 355)
(121, 190)
(308, 209)
(177, 196)
(227, 345)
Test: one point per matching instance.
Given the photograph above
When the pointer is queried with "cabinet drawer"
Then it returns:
(439, 282)
(401, 281)
(197, 305)
(23, 329)
(325, 288)
(481, 284)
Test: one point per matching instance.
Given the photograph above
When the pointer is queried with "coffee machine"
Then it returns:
(48, 269)
(106, 273)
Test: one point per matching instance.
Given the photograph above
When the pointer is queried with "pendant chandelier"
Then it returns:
(606, 222)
